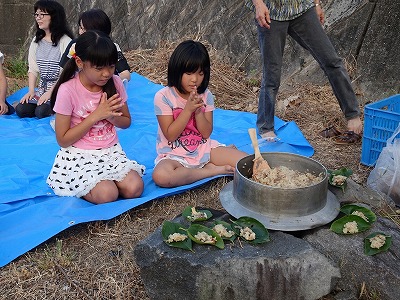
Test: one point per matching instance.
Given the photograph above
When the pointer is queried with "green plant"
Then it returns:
(254, 78)
(17, 67)
(54, 256)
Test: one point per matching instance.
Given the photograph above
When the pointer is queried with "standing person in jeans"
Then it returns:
(50, 41)
(5, 108)
(302, 20)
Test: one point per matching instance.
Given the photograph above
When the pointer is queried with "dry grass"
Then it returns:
(95, 260)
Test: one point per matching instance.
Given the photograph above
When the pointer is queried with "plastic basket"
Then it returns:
(381, 119)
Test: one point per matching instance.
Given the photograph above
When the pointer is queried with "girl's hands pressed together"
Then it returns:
(108, 108)
(194, 102)
(120, 116)
(203, 120)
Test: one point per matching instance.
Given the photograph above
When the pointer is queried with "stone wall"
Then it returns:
(16, 21)
(364, 32)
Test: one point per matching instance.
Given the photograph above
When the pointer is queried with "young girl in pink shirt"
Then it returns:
(90, 102)
(184, 110)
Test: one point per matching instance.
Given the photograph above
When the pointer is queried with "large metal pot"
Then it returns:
(286, 209)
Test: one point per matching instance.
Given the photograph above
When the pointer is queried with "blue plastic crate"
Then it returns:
(381, 119)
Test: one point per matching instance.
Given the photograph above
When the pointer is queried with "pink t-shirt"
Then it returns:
(190, 145)
(75, 100)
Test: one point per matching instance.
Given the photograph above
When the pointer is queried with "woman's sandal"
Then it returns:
(347, 137)
(330, 131)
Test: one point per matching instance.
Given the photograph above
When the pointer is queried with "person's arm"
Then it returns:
(171, 128)
(122, 66)
(46, 96)
(31, 88)
(320, 11)
(204, 120)
(262, 13)
(33, 73)
(107, 109)
(3, 89)
(124, 120)
(125, 75)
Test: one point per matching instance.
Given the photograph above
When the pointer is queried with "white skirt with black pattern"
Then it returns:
(76, 172)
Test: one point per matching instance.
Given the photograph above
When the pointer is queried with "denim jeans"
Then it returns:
(11, 109)
(31, 110)
(308, 32)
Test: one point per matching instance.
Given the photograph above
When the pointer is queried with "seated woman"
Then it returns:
(97, 19)
(51, 38)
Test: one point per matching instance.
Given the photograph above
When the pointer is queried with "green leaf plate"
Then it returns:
(337, 226)
(169, 228)
(187, 214)
(262, 234)
(228, 228)
(372, 251)
(348, 209)
(194, 229)
(344, 172)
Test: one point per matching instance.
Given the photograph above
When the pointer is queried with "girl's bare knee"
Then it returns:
(134, 190)
(132, 186)
(99, 196)
(162, 179)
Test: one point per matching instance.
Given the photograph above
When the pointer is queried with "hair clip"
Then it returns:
(72, 52)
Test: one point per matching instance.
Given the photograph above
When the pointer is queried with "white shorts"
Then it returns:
(183, 161)
(76, 172)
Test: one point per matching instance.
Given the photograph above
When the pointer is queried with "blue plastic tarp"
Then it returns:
(30, 213)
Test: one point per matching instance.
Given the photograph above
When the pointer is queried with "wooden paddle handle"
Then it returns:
(254, 142)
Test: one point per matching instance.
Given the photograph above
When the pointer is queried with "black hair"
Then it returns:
(95, 19)
(188, 57)
(95, 47)
(58, 23)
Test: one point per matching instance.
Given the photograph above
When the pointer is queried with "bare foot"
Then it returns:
(219, 170)
(355, 125)
(268, 135)
(231, 146)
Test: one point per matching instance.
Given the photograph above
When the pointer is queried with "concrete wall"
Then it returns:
(15, 22)
(365, 32)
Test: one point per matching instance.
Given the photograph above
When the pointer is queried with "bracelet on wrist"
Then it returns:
(317, 4)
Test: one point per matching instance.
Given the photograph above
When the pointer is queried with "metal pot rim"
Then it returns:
(286, 209)
(294, 223)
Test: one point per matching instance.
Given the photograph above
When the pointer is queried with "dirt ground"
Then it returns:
(95, 260)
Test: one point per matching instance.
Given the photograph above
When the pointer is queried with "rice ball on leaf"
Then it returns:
(174, 235)
(244, 227)
(350, 224)
(377, 242)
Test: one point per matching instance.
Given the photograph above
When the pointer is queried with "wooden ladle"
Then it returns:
(260, 163)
